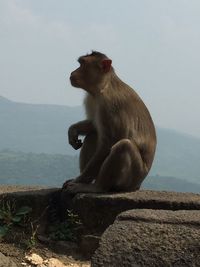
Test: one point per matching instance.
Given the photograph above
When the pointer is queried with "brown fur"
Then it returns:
(120, 141)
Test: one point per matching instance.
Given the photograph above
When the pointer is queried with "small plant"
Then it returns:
(10, 216)
(73, 219)
(3, 231)
(66, 230)
(32, 241)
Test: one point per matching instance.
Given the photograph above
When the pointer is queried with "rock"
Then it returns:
(38, 199)
(38, 261)
(34, 259)
(54, 263)
(98, 211)
(43, 239)
(88, 245)
(64, 247)
(151, 238)
(6, 261)
(4, 189)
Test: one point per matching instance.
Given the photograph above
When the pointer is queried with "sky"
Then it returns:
(154, 46)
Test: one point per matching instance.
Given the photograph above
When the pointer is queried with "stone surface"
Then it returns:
(34, 259)
(6, 261)
(64, 247)
(36, 197)
(18, 188)
(98, 211)
(88, 245)
(54, 263)
(162, 230)
(151, 238)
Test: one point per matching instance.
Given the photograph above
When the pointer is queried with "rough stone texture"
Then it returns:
(62, 247)
(43, 202)
(88, 245)
(36, 197)
(151, 238)
(18, 188)
(98, 211)
(6, 261)
(162, 230)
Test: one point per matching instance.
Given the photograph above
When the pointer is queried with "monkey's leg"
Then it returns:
(123, 169)
(87, 150)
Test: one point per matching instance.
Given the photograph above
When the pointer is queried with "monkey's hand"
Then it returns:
(73, 138)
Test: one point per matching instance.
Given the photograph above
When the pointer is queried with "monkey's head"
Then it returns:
(92, 71)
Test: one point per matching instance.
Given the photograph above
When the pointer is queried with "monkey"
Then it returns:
(120, 138)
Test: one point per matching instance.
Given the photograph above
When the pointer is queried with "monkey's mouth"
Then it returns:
(74, 82)
(71, 78)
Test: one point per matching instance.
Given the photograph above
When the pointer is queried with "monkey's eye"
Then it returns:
(81, 61)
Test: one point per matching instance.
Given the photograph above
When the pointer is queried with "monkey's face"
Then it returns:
(84, 76)
(90, 73)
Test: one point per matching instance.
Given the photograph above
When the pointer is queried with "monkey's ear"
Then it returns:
(106, 65)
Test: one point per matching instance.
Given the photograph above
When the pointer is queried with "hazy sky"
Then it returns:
(154, 45)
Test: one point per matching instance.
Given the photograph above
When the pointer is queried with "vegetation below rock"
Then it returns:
(20, 239)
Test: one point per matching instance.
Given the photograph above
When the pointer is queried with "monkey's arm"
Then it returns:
(79, 128)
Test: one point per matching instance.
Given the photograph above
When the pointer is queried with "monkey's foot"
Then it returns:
(65, 185)
(74, 188)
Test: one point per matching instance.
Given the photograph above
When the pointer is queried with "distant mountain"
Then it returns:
(43, 129)
(36, 169)
(53, 170)
(36, 128)
(170, 184)
(4, 100)
(177, 155)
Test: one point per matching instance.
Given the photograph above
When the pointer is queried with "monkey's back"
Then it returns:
(126, 116)
(141, 126)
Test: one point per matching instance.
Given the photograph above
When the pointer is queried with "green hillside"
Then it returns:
(170, 184)
(36, 128)
(43, 129)
(177, 155)
(52, 170)
(36, 169)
